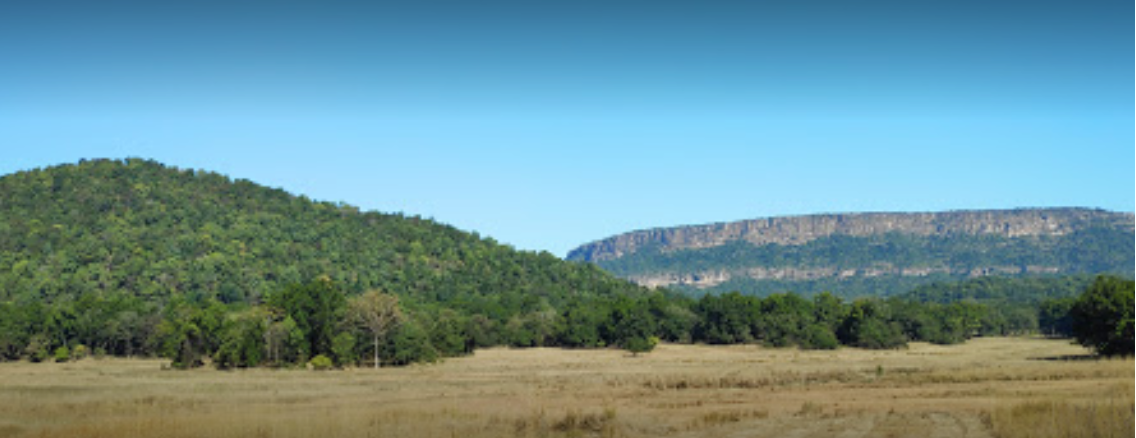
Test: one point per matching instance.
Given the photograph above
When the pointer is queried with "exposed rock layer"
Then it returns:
(794, 231)
(797, 230)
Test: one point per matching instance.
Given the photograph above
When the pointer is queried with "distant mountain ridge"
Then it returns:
(885, 252)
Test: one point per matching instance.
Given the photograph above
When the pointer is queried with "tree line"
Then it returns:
(317, 323)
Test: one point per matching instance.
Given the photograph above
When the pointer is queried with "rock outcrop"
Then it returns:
(796, 230)
(828, 249)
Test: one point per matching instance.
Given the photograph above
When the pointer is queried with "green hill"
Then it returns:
(136, 258)
(153, 231)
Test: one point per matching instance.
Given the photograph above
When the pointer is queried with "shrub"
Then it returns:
(80, 352)
(818, 337)
(62, 354)
(321, 362)
(639, 344)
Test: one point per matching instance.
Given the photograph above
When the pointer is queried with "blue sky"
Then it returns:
(550, 124)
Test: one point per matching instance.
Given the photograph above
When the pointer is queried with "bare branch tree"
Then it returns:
(376, 312)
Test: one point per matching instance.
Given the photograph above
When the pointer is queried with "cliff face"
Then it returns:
(828, 250)
(797, 230)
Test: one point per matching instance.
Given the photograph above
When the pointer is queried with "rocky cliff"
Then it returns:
(796, 230)
(827, 249)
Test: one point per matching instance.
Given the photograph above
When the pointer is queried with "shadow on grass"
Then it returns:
(1069, 358)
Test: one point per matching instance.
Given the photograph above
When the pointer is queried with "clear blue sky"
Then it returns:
(550, 124)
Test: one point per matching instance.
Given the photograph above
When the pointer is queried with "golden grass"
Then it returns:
(1110, 415)
(985, 388)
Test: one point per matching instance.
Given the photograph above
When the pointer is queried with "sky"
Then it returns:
(547, 124)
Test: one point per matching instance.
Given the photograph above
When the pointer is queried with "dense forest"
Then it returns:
(147, 230)
(134, 258)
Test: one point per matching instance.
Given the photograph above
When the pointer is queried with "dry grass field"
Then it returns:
(985, 388)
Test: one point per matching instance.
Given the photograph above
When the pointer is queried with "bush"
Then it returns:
(818, 337)
(321, 363)
(639, 344)
(62, 354)
(38, 348)
(80, 352)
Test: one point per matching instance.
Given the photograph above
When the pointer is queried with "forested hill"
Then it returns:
(870, 253)
(133, 258)
(144, 229)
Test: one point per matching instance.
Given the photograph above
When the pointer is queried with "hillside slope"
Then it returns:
(869, 253)
(152, 231)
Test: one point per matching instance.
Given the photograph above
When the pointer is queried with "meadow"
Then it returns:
(988, 387)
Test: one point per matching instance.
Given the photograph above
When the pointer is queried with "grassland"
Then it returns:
(985, 388)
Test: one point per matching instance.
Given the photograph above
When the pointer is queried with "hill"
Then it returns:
(869, 253)
(153, 231)
(134, 257)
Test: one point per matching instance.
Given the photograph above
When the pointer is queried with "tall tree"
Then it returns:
(1102, 316)
(377, 313)
(317, 307)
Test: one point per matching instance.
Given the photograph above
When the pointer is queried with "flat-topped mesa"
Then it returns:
(799, 230)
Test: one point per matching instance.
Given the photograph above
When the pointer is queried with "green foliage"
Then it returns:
(783, 320)
(243, 340)
(580, 325)
(133, 257)
(343, 347)
(1054, 318)
(156, 231)
(638, 344)
(189, 331)
(321, 363)
(62, 354)
(410, 344)
(38, 348)
(1028, 290)
(316, 307)
(726, 319)
(1102, 316)
(870, 325)
(80, 352)
(819, 337)
(447, 334)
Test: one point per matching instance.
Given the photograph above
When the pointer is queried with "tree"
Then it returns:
(316, 307)
(580, 325)
(783, 319)
(869, 325)
(726, 319)
(408, 342)
(243, 341)
(1053, 317)
(1102, 316)
(343, 346)
(378, 314)
(829, 310)
(629, 322)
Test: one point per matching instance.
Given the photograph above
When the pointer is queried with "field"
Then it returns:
(994, 387)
